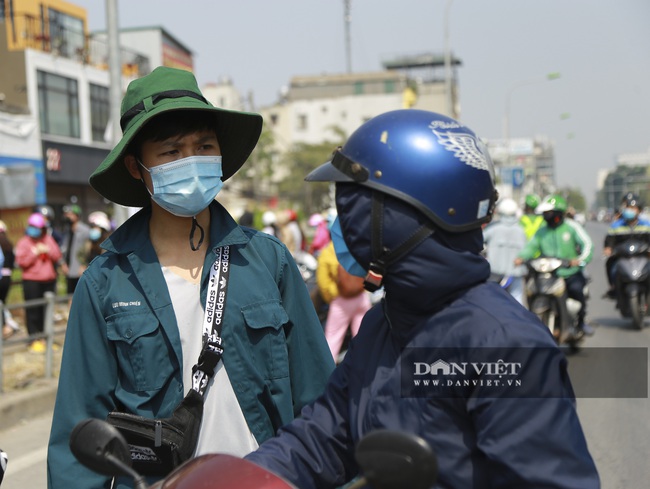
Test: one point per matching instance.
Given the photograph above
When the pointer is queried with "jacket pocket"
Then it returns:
(265, 321)
(142, 351)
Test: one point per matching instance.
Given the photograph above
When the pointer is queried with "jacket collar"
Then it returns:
(134, 233)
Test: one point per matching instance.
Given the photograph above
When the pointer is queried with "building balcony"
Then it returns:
(30, 33)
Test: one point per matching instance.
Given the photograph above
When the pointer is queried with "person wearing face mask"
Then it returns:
(504, 238)
(178, 281)
(342, 289)
(565, 239)
(37, 255)
(413, 189)
(74, 240)
(630, 223)
(100, 228)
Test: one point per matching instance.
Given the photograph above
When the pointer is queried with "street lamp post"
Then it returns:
(506, 118)
(448, 95)
(115, 89)
(513, 87)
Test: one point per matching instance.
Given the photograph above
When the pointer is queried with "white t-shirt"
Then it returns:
(224, 428)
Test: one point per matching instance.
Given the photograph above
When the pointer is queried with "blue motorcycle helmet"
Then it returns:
(426, 159)
(431, 162)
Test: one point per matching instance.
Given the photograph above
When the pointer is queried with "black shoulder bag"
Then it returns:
(160, 445)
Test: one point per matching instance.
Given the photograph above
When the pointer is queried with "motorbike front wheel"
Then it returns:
(637, 307)
(552, 318)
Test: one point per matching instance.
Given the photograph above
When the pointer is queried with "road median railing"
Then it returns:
(49, 302)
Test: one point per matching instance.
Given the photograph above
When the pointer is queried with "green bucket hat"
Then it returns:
(162, 90)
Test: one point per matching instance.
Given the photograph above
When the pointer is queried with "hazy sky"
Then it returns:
(601, 48)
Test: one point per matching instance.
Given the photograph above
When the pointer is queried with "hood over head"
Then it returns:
(438, 270)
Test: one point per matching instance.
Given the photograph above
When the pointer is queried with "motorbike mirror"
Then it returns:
(101, 447)
(392, 460)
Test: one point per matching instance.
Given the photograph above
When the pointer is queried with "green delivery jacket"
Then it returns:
(123, 349)
(568, 241)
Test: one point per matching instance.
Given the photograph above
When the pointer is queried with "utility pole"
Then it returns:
(448, 85)
(347, 17)
(115, 89)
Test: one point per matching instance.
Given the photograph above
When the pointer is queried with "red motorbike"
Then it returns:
(388, 460)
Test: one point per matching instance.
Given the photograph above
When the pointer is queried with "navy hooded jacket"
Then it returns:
(438, 302)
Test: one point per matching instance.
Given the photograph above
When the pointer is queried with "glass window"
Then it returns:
(99, 111)
(358, 88)
(66, 33)
(58, 105)
(389, 86)
(302, 122)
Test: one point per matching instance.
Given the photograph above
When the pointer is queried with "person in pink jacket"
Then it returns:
(37, 255)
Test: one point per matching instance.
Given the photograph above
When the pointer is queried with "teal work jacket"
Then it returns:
(123, 350)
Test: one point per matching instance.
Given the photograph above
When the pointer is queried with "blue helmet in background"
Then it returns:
(432, 162)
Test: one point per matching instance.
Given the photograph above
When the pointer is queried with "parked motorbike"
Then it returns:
(548, 299)
(388, 460)
(632, 282)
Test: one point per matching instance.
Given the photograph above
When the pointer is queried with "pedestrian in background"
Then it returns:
(37, 255)
(348, 300)
(74, 240)
(504, 239)
(9, 325)
(50, 217)
(531, 221)
(289, 231)
(100, 229)
(321, 233)
(268, 221)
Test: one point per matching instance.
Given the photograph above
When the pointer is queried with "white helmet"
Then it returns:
(100, 219)
(507, 207)
(268, 218)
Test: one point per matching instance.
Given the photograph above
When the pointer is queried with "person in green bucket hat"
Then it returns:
(184, 303)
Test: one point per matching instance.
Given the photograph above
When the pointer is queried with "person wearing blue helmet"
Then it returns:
(630, 224)
(446, 354)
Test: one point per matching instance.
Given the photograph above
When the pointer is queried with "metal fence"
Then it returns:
(48, 301)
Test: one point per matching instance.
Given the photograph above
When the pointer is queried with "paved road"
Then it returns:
(26, 445)
(617, 429)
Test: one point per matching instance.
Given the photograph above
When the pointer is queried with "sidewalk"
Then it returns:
(26, 392)
(19, 406)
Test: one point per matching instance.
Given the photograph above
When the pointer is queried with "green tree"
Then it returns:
(300, 160)
(257, 173)
(574, 198)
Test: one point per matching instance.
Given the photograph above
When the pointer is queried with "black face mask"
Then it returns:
(553, 218)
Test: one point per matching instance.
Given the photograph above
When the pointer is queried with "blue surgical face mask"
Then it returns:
(187, 186)
(95, 234)
(629, 214)
(343, 255)
(34, 232)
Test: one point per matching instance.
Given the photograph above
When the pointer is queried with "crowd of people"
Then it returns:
(42, 255)
(549, 228)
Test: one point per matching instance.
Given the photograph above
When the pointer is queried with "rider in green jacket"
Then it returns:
(565, 239)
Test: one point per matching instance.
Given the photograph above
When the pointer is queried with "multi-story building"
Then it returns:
(56, 72)
(523, 166)
(632, 174)
(317, 108)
